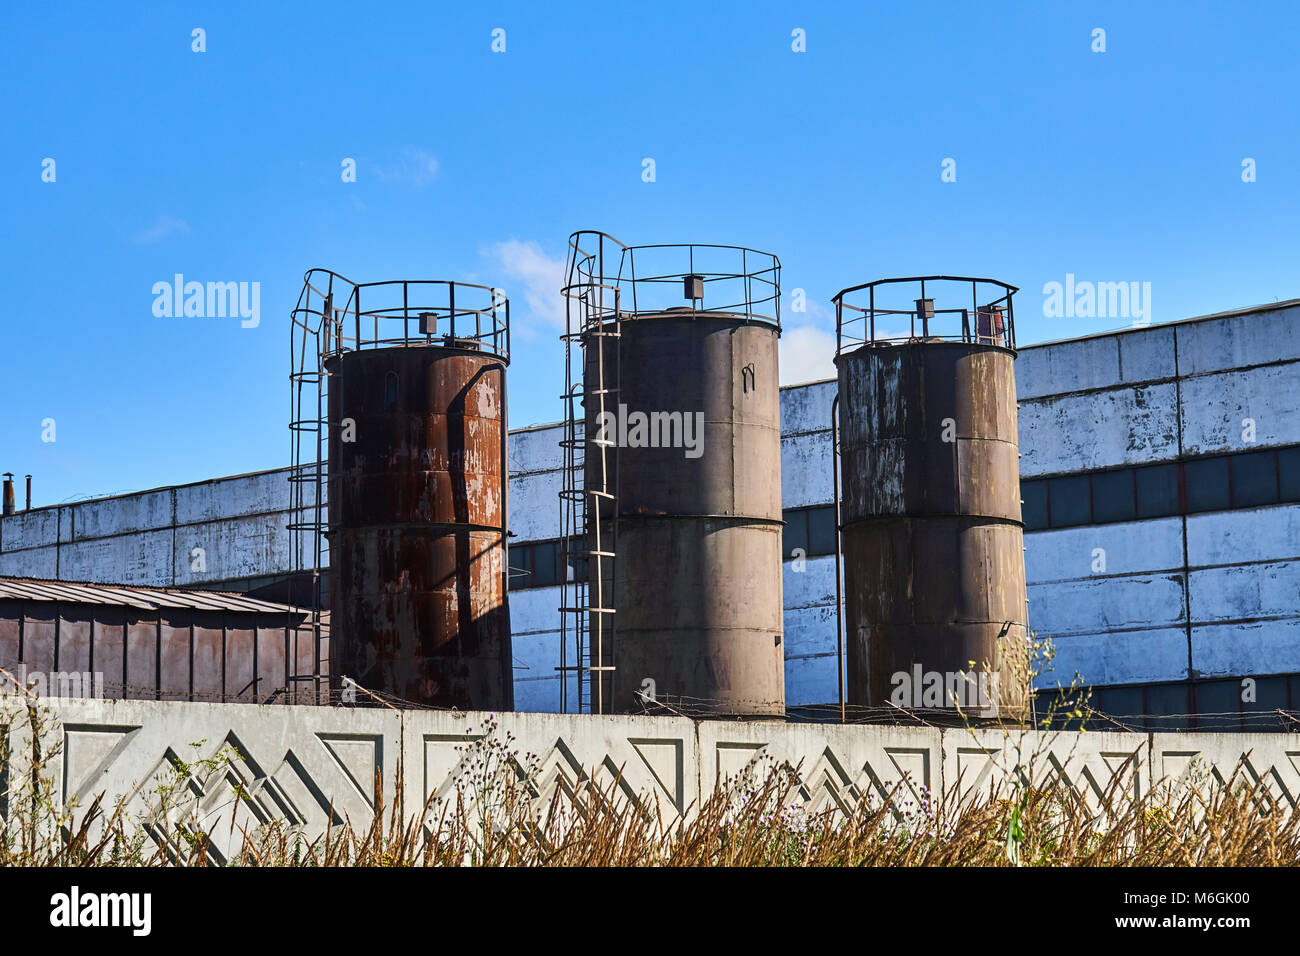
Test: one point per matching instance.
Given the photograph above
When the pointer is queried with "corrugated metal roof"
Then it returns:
(124, 595)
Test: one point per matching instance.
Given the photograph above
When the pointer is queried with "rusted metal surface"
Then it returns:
(697, 576)
(933, 556)
(417, 525)
(150, 644)
(410, 439)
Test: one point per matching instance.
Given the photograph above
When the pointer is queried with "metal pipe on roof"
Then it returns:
(9, 493)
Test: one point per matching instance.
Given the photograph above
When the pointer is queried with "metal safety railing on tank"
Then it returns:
(925, 309)
(715, 279)
(404, 313)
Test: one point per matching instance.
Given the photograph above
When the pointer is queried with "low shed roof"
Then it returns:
(128, 595)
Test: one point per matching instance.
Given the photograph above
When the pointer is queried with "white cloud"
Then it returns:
(807, 355)
(814, 311)
(162, 228)
(413, 167)
(536, 280)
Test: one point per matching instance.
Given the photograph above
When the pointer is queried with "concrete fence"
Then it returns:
(316, 766)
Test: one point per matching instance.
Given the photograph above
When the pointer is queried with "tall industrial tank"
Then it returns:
(933, 556)
(417, 483)
(681, 457)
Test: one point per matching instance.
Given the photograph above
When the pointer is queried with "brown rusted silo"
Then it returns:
(688, 486)
(417, 494)
(934, 573)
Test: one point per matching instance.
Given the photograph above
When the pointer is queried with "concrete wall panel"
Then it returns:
(1196, 760)
(835, 763)
(534, 695)
(809, 631)
(143, 558)
(535, 609)
(536, 450)
(1132, 356)
(1232, 342)
(1215, 408)
(1068, 367)
(1246, 650)
(807, 477)
(231, 548)
(535, 506)
(31, 529)
(1235, 537)
(122, 515)
(814, 585)
(1128, 657)
(1130, 547)
(31, 563)
(1123, 426)
(233, 497)
(987, 762)
(811, 680)
(1147, 355)
(294, 762)
(807, 408)
(649, 760)
(1250, 591)
(537, 654)
(1106, 604)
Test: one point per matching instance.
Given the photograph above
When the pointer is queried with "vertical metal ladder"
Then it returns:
(316, 332)
(588, 549)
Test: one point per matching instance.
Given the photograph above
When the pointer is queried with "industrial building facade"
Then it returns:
(1160, 475)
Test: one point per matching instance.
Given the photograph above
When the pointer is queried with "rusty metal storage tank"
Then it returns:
(417, 480)
(929, 495)
(680, 452)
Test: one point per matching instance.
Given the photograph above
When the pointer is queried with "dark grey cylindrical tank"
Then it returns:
(932, 537)
(697, 573)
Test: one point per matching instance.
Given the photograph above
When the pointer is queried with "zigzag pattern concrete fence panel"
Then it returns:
(314, 767)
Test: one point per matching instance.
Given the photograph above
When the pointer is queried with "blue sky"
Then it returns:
(225, 166)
